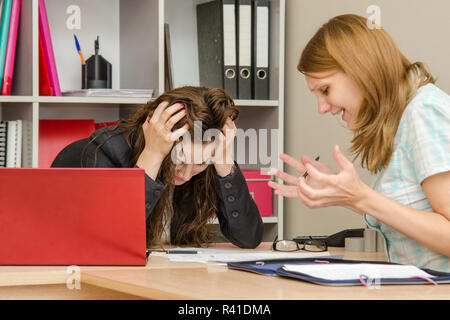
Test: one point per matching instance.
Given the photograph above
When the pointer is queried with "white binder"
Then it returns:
(229, 47)
(14, 144)
(261, 49)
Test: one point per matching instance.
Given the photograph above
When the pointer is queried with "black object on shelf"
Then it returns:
(97, 71)
(334, 240)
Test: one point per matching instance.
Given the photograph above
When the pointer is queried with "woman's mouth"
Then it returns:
(179, 179)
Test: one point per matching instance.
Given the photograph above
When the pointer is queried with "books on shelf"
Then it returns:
(10, 14)
(131, 93)
(48, 76)
(44, 32)
(44, 79)
(11, 143)
(49, 84)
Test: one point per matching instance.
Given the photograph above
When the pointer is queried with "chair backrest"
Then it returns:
(71, 155)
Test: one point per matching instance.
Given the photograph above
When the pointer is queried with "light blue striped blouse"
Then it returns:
(421, 149)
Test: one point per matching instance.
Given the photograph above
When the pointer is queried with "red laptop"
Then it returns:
(62, 216)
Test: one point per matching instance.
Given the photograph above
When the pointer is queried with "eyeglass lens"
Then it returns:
(288, 245)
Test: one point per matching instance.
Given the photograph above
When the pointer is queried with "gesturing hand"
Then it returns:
(322, 188)
(290, 188)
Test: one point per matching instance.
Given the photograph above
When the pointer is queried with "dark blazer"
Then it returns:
(239, 218)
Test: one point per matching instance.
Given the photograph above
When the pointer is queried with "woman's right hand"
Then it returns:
(290, 188)
(159, 138)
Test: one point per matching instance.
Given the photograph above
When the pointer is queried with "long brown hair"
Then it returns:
(386, 78)
(211, 107)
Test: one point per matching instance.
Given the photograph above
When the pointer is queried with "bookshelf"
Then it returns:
(132, 39)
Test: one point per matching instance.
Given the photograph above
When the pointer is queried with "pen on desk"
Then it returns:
(306, 173)
(77, 44)
(174, 251)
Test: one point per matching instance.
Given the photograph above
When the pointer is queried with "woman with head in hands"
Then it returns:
(188, 182)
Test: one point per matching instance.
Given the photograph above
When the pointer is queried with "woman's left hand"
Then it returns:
(323, 189)
(222, 158)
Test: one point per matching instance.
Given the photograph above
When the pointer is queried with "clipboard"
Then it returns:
(270, 267)
(275, 268)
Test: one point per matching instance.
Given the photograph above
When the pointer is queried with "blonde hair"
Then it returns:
(385, 77)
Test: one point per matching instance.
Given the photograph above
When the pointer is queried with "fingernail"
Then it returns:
(273, 171)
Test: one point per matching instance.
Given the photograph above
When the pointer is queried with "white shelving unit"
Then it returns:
(132, 39)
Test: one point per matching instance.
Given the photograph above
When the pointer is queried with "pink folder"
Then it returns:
(11, 48)
(55, 135)
(48, 48)
(260, 191)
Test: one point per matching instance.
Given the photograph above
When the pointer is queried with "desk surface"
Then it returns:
(163, 279)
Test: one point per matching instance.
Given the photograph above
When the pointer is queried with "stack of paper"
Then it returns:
(343, 271)
(223, 256)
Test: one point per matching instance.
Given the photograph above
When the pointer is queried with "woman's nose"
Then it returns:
(324, 106)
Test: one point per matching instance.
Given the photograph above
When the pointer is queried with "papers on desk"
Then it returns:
(342, 271)
(218, 256)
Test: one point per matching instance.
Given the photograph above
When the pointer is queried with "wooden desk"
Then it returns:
(218, 282)
(163, 279)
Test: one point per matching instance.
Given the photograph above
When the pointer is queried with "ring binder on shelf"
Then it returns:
(210, 44)
(261, 49)
(245, 49)
(229, 48)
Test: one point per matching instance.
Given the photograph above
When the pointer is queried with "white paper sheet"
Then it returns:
(338, 271)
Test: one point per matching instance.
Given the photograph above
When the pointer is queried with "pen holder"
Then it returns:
(96, 73)
(83, 77)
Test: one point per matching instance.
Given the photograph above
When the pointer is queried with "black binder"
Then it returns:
(261, 38)
(245, 48)
(210, 44)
